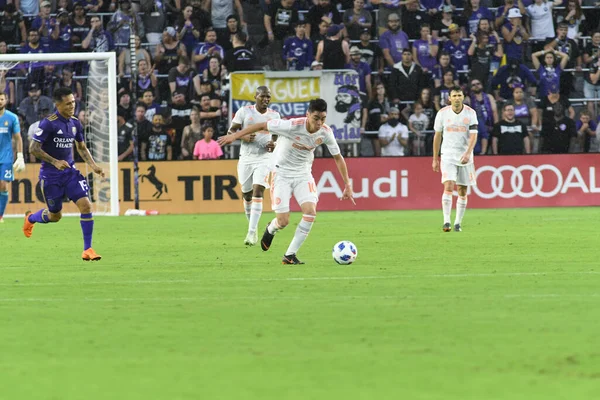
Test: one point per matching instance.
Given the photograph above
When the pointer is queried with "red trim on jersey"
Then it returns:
(298, 121)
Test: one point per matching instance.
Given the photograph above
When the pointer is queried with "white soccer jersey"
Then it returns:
(249, 115)
(455, 132)
(295, 148)
(542, 25)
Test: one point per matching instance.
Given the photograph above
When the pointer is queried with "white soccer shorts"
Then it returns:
(253, 173)
(463, 175)
(303, 188)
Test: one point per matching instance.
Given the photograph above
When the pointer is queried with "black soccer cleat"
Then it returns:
(291, 259)
(447, 227)
(267, 239)
(457, 228)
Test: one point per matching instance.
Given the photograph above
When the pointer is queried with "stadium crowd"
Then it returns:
(531, 69)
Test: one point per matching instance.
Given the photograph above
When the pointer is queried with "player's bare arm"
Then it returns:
(87, 157)
(343, 168)
(236, 127)
(466, 157)
(35, 149)
(228, 139)
(437, 142)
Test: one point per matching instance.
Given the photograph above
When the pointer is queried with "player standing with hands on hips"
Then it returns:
(53, 144)
(293, 157)
(457, 124)
(10, 132)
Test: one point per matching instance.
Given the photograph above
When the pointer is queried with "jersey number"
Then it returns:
(84, 185)
(7, 174)
(311, 187)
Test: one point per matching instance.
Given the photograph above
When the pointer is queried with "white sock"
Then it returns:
(301, 233)
(255, 212)
(447, 206)
(247, 208)
(461, 206)
(274, 227)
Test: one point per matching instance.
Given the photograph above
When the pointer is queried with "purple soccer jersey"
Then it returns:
(56, 134)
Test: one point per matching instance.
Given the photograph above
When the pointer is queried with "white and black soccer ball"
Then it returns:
(344, 252)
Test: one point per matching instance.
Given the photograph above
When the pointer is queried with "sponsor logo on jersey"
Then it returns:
(60, 132)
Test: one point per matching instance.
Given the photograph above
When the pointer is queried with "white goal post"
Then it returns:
(100, 92)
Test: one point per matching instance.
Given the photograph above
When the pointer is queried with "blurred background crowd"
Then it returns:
(531, 69)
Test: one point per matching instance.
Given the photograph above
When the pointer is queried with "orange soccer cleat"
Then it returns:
(90, 255)
(27, 226)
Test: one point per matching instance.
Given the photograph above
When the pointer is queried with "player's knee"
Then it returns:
(55, 217)
(283, 220)
(247, 196)
(462, 191)
(258, 191)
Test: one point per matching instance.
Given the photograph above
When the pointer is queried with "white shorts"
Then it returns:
(252, 173)
(303, 188)
(462, 175)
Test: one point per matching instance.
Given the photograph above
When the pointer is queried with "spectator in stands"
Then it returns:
(147, 99)
(209, 115)
(125, 105)
(484, 56)
(191, 134)
(591, 84)
(181, 80)
(32, 105)
(142, 126)
(413, 19)
(440, 69)
(356, 19)
(221, 9)
(47, 80)
(241, 57)
(458, 49)
(93, 6)
(393, 135)
(407, 79)
(472, 13)
(121, 23)
(233, 27)
(376, 111)
(364, 73)
(98, 39)
(515, 35)
(573, 16)
(80, 24)
(298, 49)
(12, 26)
(33, 43)
(157, 146)
(431, 7)
(559, 135)
(525, 110)
(547, 109)
(124, 136)
(320, 34)
(7, 87)
(542, 24)
(316, 66)
(393, 41)
(206, 88)
(484, 104)
(207, 148)
(425, 51)
(441, 94)
(322, 8)
(386, 9)
(146, 80)
(188, 29)
(514, 72)
(214, 74)
(62, 34)
(205, 50)
(441, 27)
(370, 52)
(502, 12)
(417, 123)
(509, 135)
(66, 80)
(125, 58)
(28, 7)
(154, 20)
(279, 23)
(586, 131)
(43, 23)
(568, 46)
(548, 72)
(333, 52)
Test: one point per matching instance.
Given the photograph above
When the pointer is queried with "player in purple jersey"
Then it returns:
(53, 144)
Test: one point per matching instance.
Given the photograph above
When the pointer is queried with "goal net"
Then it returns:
(29, 80)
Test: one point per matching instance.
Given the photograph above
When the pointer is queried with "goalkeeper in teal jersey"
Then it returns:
(10, 132)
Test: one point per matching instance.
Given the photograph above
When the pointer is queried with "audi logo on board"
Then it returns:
(527, 181)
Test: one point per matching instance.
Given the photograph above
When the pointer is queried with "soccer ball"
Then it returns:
(344, 252)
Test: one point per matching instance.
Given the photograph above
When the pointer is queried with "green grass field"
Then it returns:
(179, 308)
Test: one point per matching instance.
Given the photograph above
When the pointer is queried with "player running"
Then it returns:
(53, 144)
(10, 132)
(293, 157)
(457, 124)
(254, 165)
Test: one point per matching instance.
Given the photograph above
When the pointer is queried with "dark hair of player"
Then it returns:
(317, 105)
(60, 93)
(456, 89)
